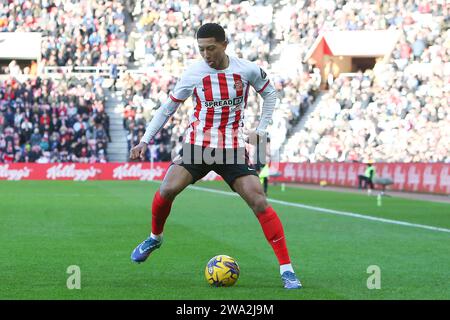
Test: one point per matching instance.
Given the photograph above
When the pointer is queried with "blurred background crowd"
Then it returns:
(396, 112)
(44, 120)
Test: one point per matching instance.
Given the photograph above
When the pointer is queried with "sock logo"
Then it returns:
(276, 240)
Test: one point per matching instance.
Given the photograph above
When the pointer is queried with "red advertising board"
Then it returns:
(414, 177)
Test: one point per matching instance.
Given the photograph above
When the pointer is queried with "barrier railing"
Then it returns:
(103, 71)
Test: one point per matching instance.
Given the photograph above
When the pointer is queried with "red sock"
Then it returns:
(160, 212)
(273, 230)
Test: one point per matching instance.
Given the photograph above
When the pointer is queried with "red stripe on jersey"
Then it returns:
(196, 114)
(246, 96)
(223, 87)
(198, 107)
(207, 88)
(175, 99)
(236, 128)
(223, 123)
(262, 89)
(207, 128)
(238, 85)
(237, 120)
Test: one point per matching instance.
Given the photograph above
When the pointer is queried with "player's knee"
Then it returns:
(168, 191)
(259, 203)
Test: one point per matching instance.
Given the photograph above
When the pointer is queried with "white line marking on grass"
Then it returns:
(330, 211)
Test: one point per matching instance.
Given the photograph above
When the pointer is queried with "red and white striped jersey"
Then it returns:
(220, 98)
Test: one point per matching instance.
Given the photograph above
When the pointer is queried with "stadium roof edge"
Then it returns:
(20, 45)
(359, 43)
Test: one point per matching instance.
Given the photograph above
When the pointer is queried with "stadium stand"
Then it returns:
(45, 120)
(75, 33)
(396, 111)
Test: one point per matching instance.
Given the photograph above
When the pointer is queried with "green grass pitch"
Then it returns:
(45, 227)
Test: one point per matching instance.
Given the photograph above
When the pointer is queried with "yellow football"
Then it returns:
(222, 271)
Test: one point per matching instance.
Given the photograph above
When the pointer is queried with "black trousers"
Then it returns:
(366, 181)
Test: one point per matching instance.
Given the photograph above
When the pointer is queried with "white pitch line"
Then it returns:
(330, 211)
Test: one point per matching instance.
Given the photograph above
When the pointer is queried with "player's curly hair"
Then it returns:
(211, 30)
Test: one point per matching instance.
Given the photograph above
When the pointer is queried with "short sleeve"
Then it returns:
(184, 87)
(258, 78)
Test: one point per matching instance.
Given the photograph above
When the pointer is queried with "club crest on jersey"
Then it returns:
(238, 85)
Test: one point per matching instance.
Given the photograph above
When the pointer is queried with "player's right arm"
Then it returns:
(181, 92)
(158, 121)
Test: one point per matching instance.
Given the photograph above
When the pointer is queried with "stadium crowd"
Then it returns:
(75, 33)
(44, 120)
(399, 111)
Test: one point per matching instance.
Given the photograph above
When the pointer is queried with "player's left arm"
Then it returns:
(260, 81)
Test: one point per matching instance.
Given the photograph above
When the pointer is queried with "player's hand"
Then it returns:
(254, 137)
(138, 151)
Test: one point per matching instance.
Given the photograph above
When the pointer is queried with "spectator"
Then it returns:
(162, 153)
